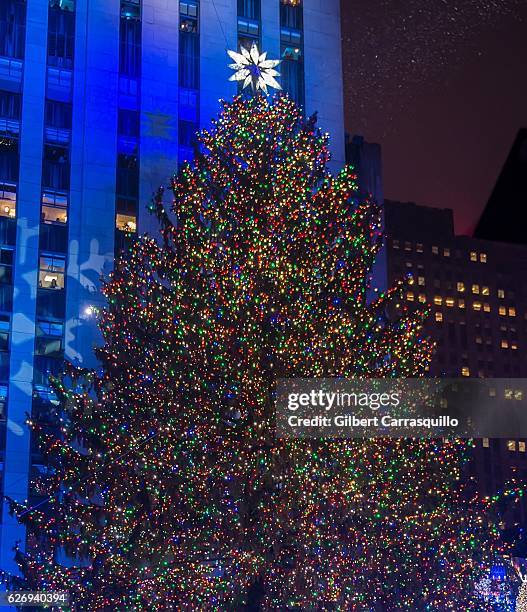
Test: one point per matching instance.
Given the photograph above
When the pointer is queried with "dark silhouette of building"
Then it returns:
(505, 217)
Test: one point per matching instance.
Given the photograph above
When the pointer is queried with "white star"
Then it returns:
(254, 69)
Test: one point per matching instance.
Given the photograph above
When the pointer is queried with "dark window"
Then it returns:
(4, 332)
(56, 168)
(189, 60)
(249, 9)
(44, 368)
(128, 123)
(9, 160)
(187, 133)
(12, 28)
(61, 38)
(58, 115)
(291, 16)
(10, 106)
(53, 237)
(6, 266)
(51, 304)
(293, 78)
(127, 176)
(130, 48)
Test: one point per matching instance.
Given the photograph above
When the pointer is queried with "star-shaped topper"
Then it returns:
(254, 69)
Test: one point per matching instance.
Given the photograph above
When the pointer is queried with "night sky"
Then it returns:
(442, 86)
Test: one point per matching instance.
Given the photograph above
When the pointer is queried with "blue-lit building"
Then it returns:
(99, 100)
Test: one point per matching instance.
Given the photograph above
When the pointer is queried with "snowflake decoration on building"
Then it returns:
(254, 69)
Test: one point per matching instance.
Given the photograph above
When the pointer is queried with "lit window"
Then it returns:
(473, 256)
(521, 447)
(465, 371)
(419, 247)
(486, 307)
(407, 246)
(421, 281)
(504, 344)
(439, 317)
(435, 250)
(461, 287)
(511, 445)
(483, 257)
(492, 392)
(422, 298)
(438, 300)
(501, 294)
(502, 310)
(410, 296)
(475, 289)
(514, 346)
(486, 443)
(508, 394)
(512, 312)
(54, 208)
(485, 291)
(518, 395)
(446, 252)
(8, 201)
(476, 306)
(479, 340)
(461, 303)
(51, 272)
(395, 244)
(126, 223)
(449, 302)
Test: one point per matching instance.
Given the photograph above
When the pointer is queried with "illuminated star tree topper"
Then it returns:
(254, 69)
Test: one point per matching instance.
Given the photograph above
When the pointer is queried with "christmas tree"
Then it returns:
(167, 487)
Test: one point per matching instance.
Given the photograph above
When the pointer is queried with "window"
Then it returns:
(476, 306)
(54, 208)
(58, 115)
(438, 300)
(483, 257)
(512, 311)
(51, 272)
(485, 443)
(49, 338)
(446, 252)
(435, 250)
(130, 48)
(7, 201)
(461, 303)
(407, 246)
(61, 37)
(521, 447)
(395, 244)
(291, 14)
(188, 16)
(422, 298)
(511, 445)
(127, 176)
(439, 317)
(473, 256)
(486, 307)
(128, 123)
(292, 70)
(12, 28)
(479, 340)
(465, 371)
(501, 294)
(475, 289)
(126, 223)
(410, 296)
(56, 168)
(187, 133)
(10, 105)
(131, 9)
(461, 287)
(449, 302)
(249, 9)
(502, 311)
(6, 266)
(3, 402)
(189, 60)
(421, 281)
(8, 160)
(419, 247)
(504, 344)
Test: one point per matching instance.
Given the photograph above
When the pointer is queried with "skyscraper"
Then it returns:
(99, 101)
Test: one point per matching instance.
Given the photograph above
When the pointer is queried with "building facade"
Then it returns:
(99, 101)
(477, 296)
